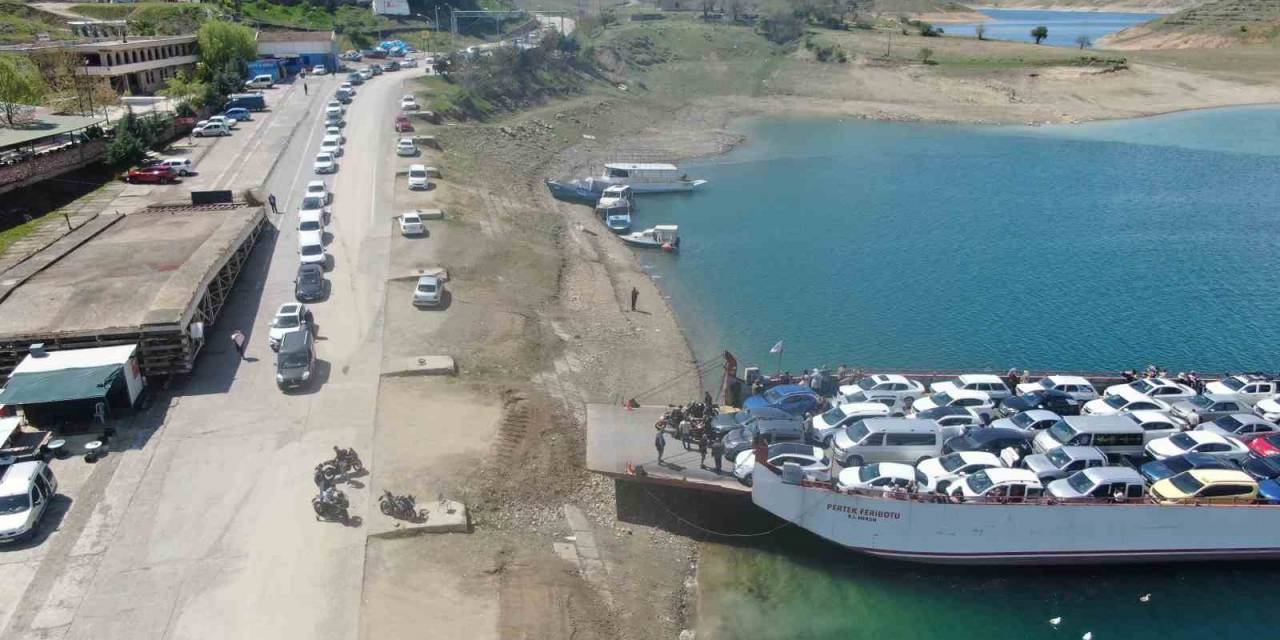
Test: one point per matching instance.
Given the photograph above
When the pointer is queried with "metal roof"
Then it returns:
(76, 358)
(45, 126)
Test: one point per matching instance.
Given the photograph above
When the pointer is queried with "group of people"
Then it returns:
(691, 424)
(820, 380)
(1190, 379)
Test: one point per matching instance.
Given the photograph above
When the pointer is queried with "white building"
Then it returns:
(310, 48)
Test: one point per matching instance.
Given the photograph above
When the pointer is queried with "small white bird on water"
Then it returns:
(1146, 598)
(1088, 635)
(1055, 621)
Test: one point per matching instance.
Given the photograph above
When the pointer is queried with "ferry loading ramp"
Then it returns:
(156, 278)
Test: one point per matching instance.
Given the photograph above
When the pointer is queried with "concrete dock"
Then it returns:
(620, 445)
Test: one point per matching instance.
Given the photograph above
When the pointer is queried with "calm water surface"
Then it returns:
(1064, 26)
(1096, 246)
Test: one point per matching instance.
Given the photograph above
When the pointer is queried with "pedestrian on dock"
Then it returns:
(271, 200)
(717, 452)
(304, 90)
(702, 451)
(635, 295)
(237, 339)
(659, 443)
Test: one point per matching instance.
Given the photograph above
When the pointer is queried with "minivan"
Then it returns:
(26, 488)
(262, 81)
(1123, 483)
(907, 440)
(296, 359)
(1114, 435)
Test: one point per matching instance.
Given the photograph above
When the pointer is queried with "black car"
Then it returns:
(394, 65)
(296, 360)
(772, 431)
(309, 285)
(726, 422)
(991, 440)
(1059, 402)
(1158, 470)
(1267, 468)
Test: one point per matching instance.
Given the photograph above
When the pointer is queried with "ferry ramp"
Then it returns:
(620, 444)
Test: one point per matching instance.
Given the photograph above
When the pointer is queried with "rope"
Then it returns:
(700, 369)
(714, 533)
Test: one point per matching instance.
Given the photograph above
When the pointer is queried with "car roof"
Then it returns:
(1245, 418)
(417, 167)
(1209, 476)
(968, 393)
(310, 266)
(1113, 474)
(310, 237)
(901, 424)
(788, 389)
(1129, 393)
(992, 433)
(1083, 453)
(970, 457)
(410, 214)
(288, 308)
(1006, 474)
(890, 377)
(943, 411)
(317, 183)
(18, 477)
(428, 279)
(896, 470)
(1041, 414)
(1218, 397)
(404, 140)
(330, 138)
(1148, 415)
(324, 154)
(1069, 380)
(310, 215)
(1205, 436)
(979, 377)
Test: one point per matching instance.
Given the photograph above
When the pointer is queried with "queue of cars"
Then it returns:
(1130, 441)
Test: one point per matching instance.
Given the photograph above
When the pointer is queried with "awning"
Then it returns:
(60, 385)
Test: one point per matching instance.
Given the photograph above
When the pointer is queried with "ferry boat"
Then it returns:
(1024, 530)
(645, 177)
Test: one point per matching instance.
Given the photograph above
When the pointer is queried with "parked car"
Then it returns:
(725, 422)
(1207, 407)
(296, 360)
(1158, 470)
(1242, 426)
(261, 81)
(987, 383)
(393, 65)
(1154, 424)
(210, 129)
(309, 284)
(1029, 421)
(997, 483)
(953, 416)
(1267, 468)
(334, 104)
(1116, 435)
(977, 400)
(1266, 445)
(1122, 400)
(318, 189)
(1059, 402)
(1268, 409)
(239, 114)
(333, 117)
(1208, 442)
(1076, 386)
(311, 248)
(1207, 486)
(1059, 463)
(1158, 388)
(907, 391)
(796, 399)
(406, 147)
(355, 78)
(376, 69)
(1250, 388)
(319, 70)
(772, 431)
(290, 317)
(411, 224)
(229, 123)
(325, 163)
(311, 220)
(365, 74)
(1269, 491)
(250, 101)
(990, 440)
(331, 145)
(1123, 483)
(155, 174)
(408, 103)
(812, 460)
(26, 490)
(885, 477)
(418, 177)
(181, 166)
(824, 426)
(429, 292)
(911, 440)
(402, 124)
(944, 470)
(348, 87)
(335, 130)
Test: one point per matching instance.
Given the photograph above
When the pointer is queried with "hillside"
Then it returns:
(1134, 6)
(150, 18)
(1220, 23)
(20, 23)
(929, 10)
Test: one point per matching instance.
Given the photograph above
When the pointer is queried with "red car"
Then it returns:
(403, 124)
(1268, 445)
(158, 174)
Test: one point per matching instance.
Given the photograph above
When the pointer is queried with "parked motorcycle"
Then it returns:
(331, 505)
(400, 507)
(327, 474)
(348, 460)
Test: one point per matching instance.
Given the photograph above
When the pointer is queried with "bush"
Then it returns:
(781, 26)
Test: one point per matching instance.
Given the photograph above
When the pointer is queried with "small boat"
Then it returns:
(646, 177)
(618, 221)
(616, 199)
(575, 191)
(663, 236)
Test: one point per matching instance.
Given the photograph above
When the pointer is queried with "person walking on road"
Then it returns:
(237, 339)
(635, 295)
(702, 451)
(717, 452)
(304, 90)
(659, 443)
(271, 199)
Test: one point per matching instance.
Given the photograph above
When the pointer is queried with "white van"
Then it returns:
(907, 440)
(1114, 435)
(263, 81)
(25, 492)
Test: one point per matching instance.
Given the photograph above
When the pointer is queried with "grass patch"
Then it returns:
(20, 23)
(151, 18)
(14, 234)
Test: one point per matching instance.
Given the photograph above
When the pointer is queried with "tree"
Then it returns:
(734, 7)
(926, 55)
(781, 26)
(1084, 41)
(21, 88)
(707, 7)
(1040, 33)
(225, 46)
(185, 90)
(981, 30)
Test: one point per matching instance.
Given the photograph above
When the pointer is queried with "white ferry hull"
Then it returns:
(989, 534)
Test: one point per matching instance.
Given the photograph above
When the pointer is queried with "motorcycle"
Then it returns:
(331, 505)
(400, 507)
(347, 460)
(327, 474)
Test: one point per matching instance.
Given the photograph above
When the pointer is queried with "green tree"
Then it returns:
(184, 89)
(1040, 33)
(225, 46)
(926, 55)
(781, 26)
(355, 23)
(1084, 41)
(21, 87)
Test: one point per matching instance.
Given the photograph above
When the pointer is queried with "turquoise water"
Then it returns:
(1106, 245)
(1064, 26)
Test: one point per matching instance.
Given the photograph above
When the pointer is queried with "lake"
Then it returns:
(1096, 246)
(1064, 26)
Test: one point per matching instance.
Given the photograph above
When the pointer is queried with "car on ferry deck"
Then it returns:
(954, 417)
(1250, 387)
(1268, 409)
(1158, 388)
(795, 399)
(823, 426)
(944, 470)
(725, 422)
(1267, 445)
(889, 440)
(1122, 400)
(1242, 426)
(1056, 464)
(901, 387)
(1261, 468)
(812, 460)
(987, 383)
(1030, 421)
(990, 440)
(1076, 386)
(1158, 470)
(1154, 424)
(1059, 402)
(1269, 491)
(998, 483)
(1124, 483)
(773, 431)
(885, 477)
(1207, 407)
(1208, 442)
(977, 400)
(1207, 486)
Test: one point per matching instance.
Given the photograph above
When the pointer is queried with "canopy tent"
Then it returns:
(61, 385)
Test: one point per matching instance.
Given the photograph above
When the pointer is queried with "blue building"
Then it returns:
(298, 49)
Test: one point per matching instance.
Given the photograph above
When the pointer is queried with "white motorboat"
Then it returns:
(646, 177)
(663, 236)
(617, 199)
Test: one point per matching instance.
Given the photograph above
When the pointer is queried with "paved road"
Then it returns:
(204, 529)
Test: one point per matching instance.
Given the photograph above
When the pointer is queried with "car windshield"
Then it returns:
(1228, 423)
(1201, 401)
(951, 462)
(312, 250)
(1046, 383)
(857, 431)
(1233, 384)
(1183, 441)
(1022, 420)
(941, 399)
(1058, 458)
(1176, 465)
(1115, 402)
(866, 384)
(427, 288)
(1080, 482)
(1062, 432)
(1187, 483)
(773, 396)
(1142, 386)
(833, 416)
(856, 396)
(293, 360)
(14, 504)
(324, 157)
(415, 173)
(313, 202)
(309, 225)
(869, 473)
(286, 322)
(309, 277)
(979, 482)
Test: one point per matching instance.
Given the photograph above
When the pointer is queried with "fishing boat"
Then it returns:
(578, 191)
(618, 221)
(616, 199)
(645, 177)
(663, 236)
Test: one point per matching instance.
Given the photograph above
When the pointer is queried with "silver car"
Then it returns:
(429, 292)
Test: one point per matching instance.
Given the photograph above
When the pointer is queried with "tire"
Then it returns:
(854, 461)
(386, 508)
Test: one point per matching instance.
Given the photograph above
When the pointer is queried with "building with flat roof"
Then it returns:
(310, 48)
(133, 65)
(47, 147)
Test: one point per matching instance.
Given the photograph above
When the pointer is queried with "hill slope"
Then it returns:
(20, 23)
(1135, 6)
(1220, 23)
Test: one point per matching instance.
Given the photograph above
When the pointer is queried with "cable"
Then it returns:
(700, 369)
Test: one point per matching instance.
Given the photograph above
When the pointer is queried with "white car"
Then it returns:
(319, 189)
(408, 61)
(1214, 444)
(992, 385)
(1242, 426)
(311, 248)
(418, 177)
(334, 104)
(998, 483)
(1158, 388)
(939, 473)
(1249, 387)
(348, 87)
(1075, 386)
(229, 123)
(411, 224)
(210, 129)
(325, 163)
(882, 385)
(311, 220)
(181, 166)
(406, 147)
(290, 317)
(978, 400)
(812, 460)
(319, 70)
(885, 477)
(1122, 400)
(331, 144)
(1268, 409)
(335, 130)
(429, 292)
(333, 117)
(1034, 421)
(365, 73)
(408, 103)
(824, 426)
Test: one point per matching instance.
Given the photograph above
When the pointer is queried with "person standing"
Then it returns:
(271, 200)
(635, 295)
(237, 339)
(717, 452)
(702, 451)
(304, 90)
(659, 443)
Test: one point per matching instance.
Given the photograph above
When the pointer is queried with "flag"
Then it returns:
(777, 348)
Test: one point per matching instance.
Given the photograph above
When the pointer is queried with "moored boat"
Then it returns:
(646, 177)
(663, 236)
(618, 221)
(574, 191)
(616, 199)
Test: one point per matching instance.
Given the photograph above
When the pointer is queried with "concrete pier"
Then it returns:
(620, 445)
